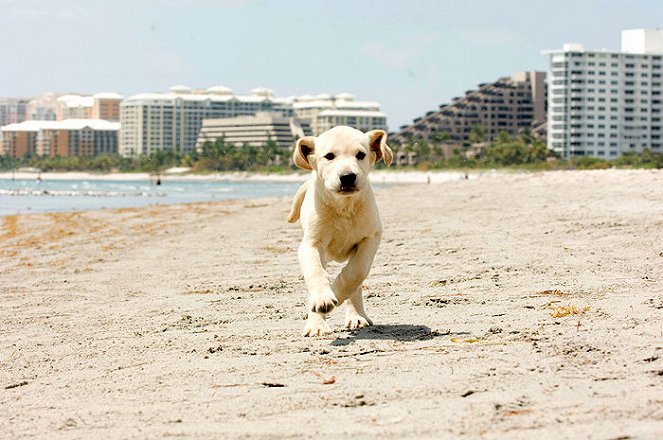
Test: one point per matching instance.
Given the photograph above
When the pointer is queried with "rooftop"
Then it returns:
(67, 124)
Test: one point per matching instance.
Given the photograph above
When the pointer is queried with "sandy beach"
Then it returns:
(506, 306)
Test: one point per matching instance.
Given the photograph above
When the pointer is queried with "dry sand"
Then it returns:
(510, 306)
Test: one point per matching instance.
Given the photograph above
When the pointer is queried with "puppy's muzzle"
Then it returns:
(348, 183)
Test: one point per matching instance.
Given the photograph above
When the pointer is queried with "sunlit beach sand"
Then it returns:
(511, 305)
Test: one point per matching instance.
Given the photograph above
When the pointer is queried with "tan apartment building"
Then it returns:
(18, 143)
(72, 137)
(509, 104)
(106, 106)
(100, 106)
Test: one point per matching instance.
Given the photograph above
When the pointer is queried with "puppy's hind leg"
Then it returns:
(355, 315)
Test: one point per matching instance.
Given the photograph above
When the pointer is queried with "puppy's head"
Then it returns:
(342, 157)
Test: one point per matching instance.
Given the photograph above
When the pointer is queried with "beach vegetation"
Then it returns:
(522, 152)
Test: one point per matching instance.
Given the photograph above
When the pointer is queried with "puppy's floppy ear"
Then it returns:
(303, 148)
(377, 141)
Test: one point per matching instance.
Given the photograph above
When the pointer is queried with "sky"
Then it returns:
(410, 56)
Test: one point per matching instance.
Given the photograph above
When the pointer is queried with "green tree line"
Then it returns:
(213, 157)
(520, 152)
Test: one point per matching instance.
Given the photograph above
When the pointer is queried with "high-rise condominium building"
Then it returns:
(509, 104)
(172, 121)
(42, 108)
(254, 131)
(13, 110)
(604, 103)
(324, 111)
(71, 137)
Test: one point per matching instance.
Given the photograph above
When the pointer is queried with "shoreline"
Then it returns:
(375, 176)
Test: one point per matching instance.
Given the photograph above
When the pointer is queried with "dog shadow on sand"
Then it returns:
(390, 332)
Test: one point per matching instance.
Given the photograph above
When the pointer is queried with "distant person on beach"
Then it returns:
(39, 177)
(158, 179)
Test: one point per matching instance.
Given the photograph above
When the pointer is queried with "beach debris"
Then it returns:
(16, 385)
(272, 384)
(324, 380)
(466, 340)
(443, 302)
(359, 400)
(562, 311)
(213, 350)
(467, 393)
(554, 292)
(436, 283)
(200, 291)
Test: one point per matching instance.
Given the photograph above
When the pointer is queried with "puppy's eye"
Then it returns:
(361, 155)
(329, 156)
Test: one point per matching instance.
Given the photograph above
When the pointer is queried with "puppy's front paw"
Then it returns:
(323, 303)
(316, 328)
(357, 321)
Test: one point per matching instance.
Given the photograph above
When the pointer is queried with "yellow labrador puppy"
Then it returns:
(340, 220)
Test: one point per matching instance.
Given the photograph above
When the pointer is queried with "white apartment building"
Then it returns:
(254, 131)
(172, 121)
(324, 111)
(604, 103)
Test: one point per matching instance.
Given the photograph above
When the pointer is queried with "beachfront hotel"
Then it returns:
(324, 111)
(605, 103)
(254, 131)
(71, 137)
(510, 104)
(172, 121)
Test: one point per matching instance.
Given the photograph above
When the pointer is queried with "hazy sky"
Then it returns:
(411, 56)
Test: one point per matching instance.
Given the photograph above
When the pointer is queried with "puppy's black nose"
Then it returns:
(348, 180)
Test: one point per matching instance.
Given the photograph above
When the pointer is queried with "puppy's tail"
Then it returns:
(297, 203)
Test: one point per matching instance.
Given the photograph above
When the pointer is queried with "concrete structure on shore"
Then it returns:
(509, 104)
(253, 130)
(605, 103)
(71, 137)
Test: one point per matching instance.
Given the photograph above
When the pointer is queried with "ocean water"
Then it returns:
(25, 196)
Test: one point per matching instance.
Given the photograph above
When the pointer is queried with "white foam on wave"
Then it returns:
(70, 193)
